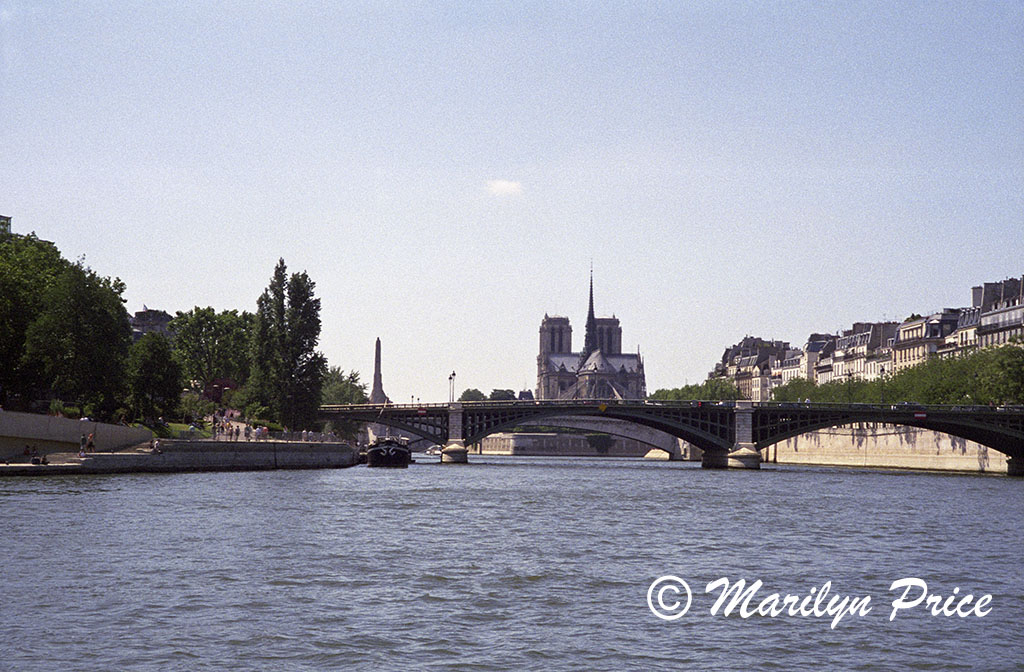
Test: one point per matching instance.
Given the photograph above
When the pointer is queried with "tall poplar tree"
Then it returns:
(287, 370)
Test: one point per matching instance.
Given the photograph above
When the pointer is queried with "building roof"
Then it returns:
(597, 361)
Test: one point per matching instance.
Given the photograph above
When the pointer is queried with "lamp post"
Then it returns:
(881, 378)
(451, 387)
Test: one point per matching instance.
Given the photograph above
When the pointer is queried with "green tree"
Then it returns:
(287, 370)
(502, 395)
(210, 345)
(473, 394)
(80, 340)
(153, 377)
(343, 388)
(28, 268)
(797, 389)
(1000, 375)
(194, 407)
(713, 389)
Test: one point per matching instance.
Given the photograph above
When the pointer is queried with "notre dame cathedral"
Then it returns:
(599, 371)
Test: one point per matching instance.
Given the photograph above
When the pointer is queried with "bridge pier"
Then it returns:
(743, 454)
(741, 457)
(455, 452)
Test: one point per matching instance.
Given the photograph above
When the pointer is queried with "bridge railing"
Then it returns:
(689, 403)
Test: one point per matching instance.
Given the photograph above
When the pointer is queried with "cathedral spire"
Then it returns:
(590, 340)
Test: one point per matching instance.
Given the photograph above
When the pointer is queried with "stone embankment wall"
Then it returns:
(878, 445)
(182, 456)
(48, 434)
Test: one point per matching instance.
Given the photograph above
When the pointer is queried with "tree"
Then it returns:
(1001, 374)
(210, 345)
(502, 395)
(28, 268)
(287, 371)
(80, 340)
(472, 394)
(796, 389)
(713, 389)
(153, 377)
(343, 388)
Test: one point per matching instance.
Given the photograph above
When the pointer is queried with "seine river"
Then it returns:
(504, 564)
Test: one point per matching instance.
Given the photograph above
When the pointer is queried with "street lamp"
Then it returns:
(451, 387)
(881, 378)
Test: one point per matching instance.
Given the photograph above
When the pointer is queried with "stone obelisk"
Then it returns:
(377, 395)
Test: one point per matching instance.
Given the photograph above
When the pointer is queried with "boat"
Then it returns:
(388, 452)
(433, 450)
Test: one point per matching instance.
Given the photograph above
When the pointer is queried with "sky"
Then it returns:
(448, 173)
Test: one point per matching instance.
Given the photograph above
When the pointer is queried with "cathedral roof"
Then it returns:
(597, 361)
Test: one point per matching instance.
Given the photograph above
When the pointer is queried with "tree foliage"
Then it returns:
(714, 389)
(989, 376)
(153, 377)
(79, 342)
(343, 388)
(28, 268)
(210, 345)
(502, 395)
(472, 394)
(287, 370)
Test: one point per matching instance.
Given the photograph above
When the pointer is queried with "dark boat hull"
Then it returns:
(388, 455)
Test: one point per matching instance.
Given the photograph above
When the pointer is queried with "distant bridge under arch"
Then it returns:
(731, 434)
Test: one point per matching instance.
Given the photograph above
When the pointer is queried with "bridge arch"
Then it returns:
(714, 432)
(1004, 434)
(648, 436)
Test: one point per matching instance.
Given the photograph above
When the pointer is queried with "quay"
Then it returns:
(177, 456)
(126, 450)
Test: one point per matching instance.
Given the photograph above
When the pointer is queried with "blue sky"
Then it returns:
(447, 173)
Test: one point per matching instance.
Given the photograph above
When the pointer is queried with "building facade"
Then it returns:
(1002, 313)
(148, 321)
(753, 365)
(599, 371)
(862, 351)
(920, 338)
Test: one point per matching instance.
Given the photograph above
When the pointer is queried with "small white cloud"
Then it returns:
(504, 187)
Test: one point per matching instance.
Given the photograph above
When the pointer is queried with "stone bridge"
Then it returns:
(731, 434)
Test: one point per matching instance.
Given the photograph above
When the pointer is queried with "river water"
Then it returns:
(502, 564)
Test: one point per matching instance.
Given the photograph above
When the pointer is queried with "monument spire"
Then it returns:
(377, 395)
